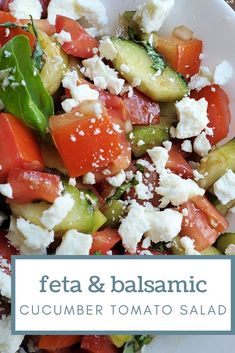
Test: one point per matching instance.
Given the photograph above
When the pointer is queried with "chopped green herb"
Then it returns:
(11, 25)
(124, 187)
(38, 52)
(136, 344)
(140, 167)
(160, 247)
(97, 253)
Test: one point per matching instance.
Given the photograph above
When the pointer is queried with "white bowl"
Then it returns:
(214, 22)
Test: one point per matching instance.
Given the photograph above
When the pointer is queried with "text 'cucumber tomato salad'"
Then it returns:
(108, 145)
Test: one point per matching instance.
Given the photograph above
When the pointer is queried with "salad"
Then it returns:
(108, 145)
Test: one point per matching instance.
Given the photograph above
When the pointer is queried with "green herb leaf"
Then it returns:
(124, 187)
(11, 25)
(160, 247)
(129, 347)
(139, 167)
(21, 90)
(97, 253)
(159, 62)
(38, 52)
(136, 344)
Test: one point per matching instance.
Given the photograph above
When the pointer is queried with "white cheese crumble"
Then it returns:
(136, 82)
(93, 11)
(8, 343)
(223, 73)
(117, 180)
(69, 104)
(89, 178)
(58, 211)
(63, 37)
(188, 245)
(224, 188)
(186, 146)
(151, 15)
(102, 75)
(107, 49)
(192, 117)
(124, 68)
(201, 145)
(72, 182)
(165, 225)
(6, 190)
(176, 190)
(23, 9)
(159, 156)
(62, 7)
(167, 144)
(5, 285)
(230, 250)
(141, 189)
(75, 243)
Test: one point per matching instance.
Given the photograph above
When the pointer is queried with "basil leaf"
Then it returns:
(143, 340)
(38, 52)
(136, 344)
(124, 187)
(159, 62)
(21, 88)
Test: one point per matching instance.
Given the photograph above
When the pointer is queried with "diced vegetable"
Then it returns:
(182, 56)
(177, 164)
(31, 186)
(150, 135)
(84, 145)
(211, 251)
(81, 44)
(142, 110)
(120, 340)
(224, 241)
(57, 342)
(113, 210)
(42, 25)
(99, 220)
(183, 33)
(24, 95)
(55, 63)
(51, 156)
(15, 29)
(104, 240)
(216, 164)
(18, 147)
(218, 111)
(98, 344)
(165, 87)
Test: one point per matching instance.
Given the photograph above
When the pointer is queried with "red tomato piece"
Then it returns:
(214, 218)
(13, 32)
(218, 111)
(30, 186)
(18, 147)
(98, 344)
(42, 25)
(197, 227)
(142, 110)
(5, 5)
(57, 342)
(82, 44)
(182, 56)
(104, 240)
(6, 251)
(177, 164)
(85, 143)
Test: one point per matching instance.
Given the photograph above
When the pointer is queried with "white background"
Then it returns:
(215, 272)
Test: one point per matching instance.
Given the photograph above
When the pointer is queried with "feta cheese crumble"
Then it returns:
(186, 146)
(102, 75)
(6, 190)
(75, 243)
(117, 180)
(159, 156)
(58, 211)
(230, 250)
(23, 9)
(89, 178)
(223, 73)
(224, 188)
(201, 145)
(192, 117)
(107, 49)
(5, 284)
(141, 189)
(63, 37)
(151, 15)
(188, 245)
(61, 7)
(93, 11)
(176, 190)
(8, 343)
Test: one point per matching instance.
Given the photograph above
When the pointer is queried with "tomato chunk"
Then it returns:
(82, 44)
(85, 142)
(4, 38)
(6, 251)
(142, 109)
(30, 186)
(203, 224)
(218, 111)
(98, 344)
(57, 342)
(18, 147)
(184, 57)
(104, 240)
(177, 164)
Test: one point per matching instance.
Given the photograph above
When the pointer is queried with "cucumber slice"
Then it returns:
(113, 210)
(211, 251)
(120, 340)
(168, 86)
(224, 241)
(216, 164)
(151, 136)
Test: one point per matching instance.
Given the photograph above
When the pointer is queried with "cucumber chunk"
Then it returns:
(166, 87)
(216, 164)
(120, 340)
(224, 241)
(113, 210)
(151, 136)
